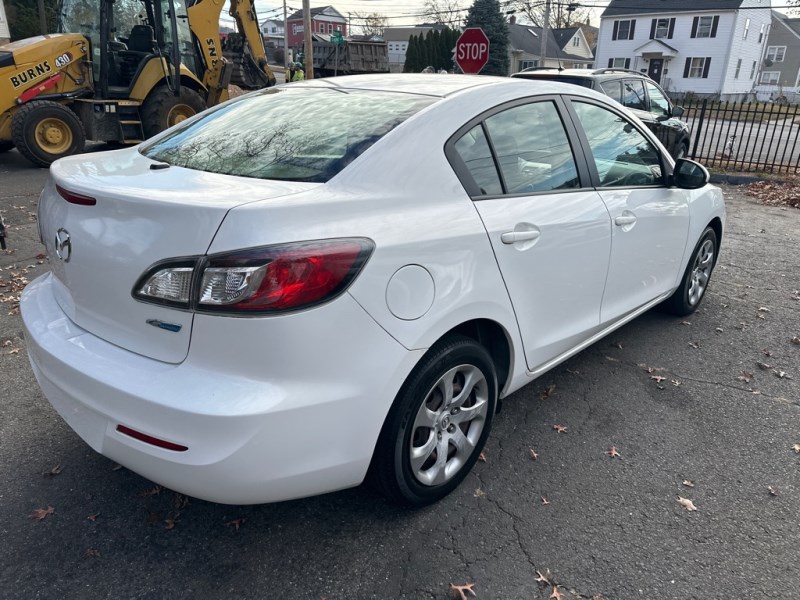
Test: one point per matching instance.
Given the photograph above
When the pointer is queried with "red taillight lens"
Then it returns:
(74, 198)
(279, 278)
(149, 439)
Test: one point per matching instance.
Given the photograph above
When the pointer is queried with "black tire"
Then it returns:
(44, 131)
(457, 359)
(691, 291)
(163, 109)
(6, 146)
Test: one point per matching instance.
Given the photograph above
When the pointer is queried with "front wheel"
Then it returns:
(695, 280)
(163, 108)
(44, 131)
(438, 423)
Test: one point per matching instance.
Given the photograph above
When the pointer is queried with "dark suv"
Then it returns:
(633, 90)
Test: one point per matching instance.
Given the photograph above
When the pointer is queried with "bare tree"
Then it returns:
(371, 24)
(562, 13)
(446, 12)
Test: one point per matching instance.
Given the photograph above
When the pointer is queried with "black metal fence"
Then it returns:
(751, 136)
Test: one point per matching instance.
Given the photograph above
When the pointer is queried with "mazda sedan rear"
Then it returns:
(338, 279)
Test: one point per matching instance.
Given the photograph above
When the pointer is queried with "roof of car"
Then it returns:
(548, 72)
(433, 84)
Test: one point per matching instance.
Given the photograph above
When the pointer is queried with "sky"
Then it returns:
(399, 13)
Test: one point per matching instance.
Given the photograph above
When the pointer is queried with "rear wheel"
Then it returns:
(438, 424)
(695, 280)
(44, 131)
(163, 109)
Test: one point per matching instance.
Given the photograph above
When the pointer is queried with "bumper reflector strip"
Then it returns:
(149, 439)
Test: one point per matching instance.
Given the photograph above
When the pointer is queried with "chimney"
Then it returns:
(512, 19)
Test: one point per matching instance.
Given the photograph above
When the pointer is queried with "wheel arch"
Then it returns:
(716, 225)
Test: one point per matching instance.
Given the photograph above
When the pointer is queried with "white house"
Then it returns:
(708, 47)
(272, 30)
(566, 48)
(5, 36)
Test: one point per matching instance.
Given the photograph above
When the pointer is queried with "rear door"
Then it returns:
(550, 235)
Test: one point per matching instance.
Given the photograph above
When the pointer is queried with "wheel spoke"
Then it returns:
(463, 444)
(446, 387)
(422, 453)
(425, 418)
(472, 412)
(438, 472)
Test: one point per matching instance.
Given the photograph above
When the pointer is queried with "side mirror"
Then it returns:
(689, 175)
(677, 111)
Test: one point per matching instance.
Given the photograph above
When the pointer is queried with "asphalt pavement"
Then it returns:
(705, 408)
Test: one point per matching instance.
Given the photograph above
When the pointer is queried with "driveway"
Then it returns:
(706, 409)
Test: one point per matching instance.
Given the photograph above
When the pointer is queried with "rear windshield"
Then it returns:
(302, 134)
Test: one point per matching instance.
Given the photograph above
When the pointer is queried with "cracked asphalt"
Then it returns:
(603, 527)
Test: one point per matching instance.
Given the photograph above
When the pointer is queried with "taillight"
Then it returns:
(261, 280)
(74, 198)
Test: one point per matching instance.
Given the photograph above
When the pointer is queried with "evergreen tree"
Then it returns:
(487, 15)
(23, 18)
(412, 54)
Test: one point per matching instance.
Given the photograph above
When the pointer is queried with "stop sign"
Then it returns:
(472, 50)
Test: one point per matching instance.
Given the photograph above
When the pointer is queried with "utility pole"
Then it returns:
(545, 33)
(285, 39)
(42, 17)
(309, 47)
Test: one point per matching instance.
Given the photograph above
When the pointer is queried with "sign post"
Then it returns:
(472, 50)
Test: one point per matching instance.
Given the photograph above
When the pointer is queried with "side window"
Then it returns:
(612, 89)
(658, 102)
(633, 94)
(532, 149)
(623, 156)
(473, 148)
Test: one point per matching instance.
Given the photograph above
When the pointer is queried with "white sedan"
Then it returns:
(339, 279)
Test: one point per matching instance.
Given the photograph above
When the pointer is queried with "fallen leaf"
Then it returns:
(763, 366)
(686, 322)
(6, 344)
(782, 374)
(545, 501)
(534, 454)
(766, 352)
(658, 378)
(578, 372)
(763, 309)
(170, 522)
(613, 453)
(461, 589)
(675, 382)
(41, 255)
(482, 457)
(694, 345)
(236, 523)
(116, 467)
(41, 513)
(612, 359)
(153, 491)
(796, 448)
(556, 594)
(54, 471)
(92, 553)
(93, 518)
(762, 317)
(719, 330)
(560, 428)
(546, 578)
(688, 483)
(795, 340)
(179, 501)
(479, 493)
(14, 351)
(772, 491)
(746, 376)
(547, 392)
(686, 503)
(619, 345)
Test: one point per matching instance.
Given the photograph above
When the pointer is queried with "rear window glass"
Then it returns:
(289, 134)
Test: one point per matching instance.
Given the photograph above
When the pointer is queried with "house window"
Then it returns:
(770, 77)
(619, 63)
(697, 67)
(753, 69)
(776, 53)
(761, 33)
(576, 42)
(662, 28)
(705, 27)
(623, 30)
(738, 68)
(528, 64)
(746, 28)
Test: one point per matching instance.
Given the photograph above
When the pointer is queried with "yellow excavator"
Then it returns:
(120, 71)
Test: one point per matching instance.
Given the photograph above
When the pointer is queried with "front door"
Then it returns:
(654, 71)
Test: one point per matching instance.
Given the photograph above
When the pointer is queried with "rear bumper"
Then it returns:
(265, 416)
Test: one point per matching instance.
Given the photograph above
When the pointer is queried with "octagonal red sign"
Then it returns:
(472, 50)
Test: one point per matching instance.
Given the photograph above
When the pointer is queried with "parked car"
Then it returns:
(634, 90)
(253, 307)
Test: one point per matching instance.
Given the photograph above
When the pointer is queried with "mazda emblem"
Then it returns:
(63, 245)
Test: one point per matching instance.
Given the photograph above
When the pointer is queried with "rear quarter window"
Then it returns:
(304, 134)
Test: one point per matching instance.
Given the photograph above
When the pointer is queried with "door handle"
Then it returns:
(511, 237)
(625, 220)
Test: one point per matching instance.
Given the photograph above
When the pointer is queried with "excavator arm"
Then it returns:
(204, 22)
